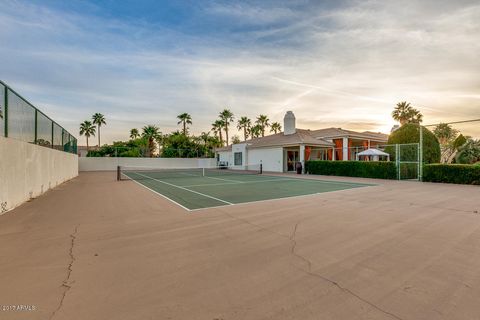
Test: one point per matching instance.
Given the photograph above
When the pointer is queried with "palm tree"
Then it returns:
(87, 129)
(405, 113)
(151, 133)
(445, 133)
(262, 121)
(244, 124)
(236, 139)
(275, 127)
(227, 117)
(217, 127)
(134, 134)
(98, 119)
(255, 131)
(415, 116)
(185, 119)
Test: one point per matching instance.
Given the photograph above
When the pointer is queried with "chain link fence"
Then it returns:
(19, 119)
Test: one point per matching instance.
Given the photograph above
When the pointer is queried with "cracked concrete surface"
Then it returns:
(400, 250)
(66, 283)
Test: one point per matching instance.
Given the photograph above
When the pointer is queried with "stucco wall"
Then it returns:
(271, 158)
(110, 164)
(28, 170)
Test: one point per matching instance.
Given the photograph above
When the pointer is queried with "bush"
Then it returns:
(452, 173)
(373, 169)
(409, 133)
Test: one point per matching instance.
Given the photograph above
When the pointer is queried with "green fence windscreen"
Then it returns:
(44, 130)
(21, 120)
(57, 137)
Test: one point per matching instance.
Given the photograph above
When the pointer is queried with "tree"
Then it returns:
(275, 127)
(244, 124)
(185, 119)
(256, 131)
(405, 113)
(98, 119)
(262, 122)
(87, 129)
(446, 135)
(217, 127)
(151, 133)
(227, 117)
(468, 153)
(134, 134)
(408, 134)
(236, 139)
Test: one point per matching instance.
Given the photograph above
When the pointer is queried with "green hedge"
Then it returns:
(364, 169)
(452, 173)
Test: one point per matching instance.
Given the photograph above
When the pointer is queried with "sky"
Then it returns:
(333, 63)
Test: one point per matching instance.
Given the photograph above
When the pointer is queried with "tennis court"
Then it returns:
(200, 188)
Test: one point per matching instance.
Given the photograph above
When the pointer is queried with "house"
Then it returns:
(280, 152)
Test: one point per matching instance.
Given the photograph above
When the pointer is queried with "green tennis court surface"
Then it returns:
(192, 189)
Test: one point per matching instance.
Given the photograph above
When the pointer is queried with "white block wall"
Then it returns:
(271, 158)
(226, 156)
(110, 164)
(28, 170)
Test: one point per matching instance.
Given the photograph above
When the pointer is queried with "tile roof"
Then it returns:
(336, 132)
(307, 137)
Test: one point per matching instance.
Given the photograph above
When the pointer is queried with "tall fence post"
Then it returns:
(52, 132)
(36, 127)
(6, 112)
(420, 154)
(397, 160)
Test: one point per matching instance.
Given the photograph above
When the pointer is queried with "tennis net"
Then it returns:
(153, 173)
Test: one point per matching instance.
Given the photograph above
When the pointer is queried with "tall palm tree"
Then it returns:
(217, 127)
(262, 121)
(445, 133)
(255, 131)
(244, 124)
(87, 129)
(98, 119)
(134, 134)
(227, 117)
(415, 116)
(405, 113)
(151, 133)
(275, 127)
(185, 119)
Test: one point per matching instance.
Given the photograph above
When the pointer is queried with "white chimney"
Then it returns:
(289, 123)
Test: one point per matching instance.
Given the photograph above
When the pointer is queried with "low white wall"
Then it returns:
(28, 170)
(225, 156)
(271, 158)
(110, 164)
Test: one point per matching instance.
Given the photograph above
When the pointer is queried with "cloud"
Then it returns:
(339, 64)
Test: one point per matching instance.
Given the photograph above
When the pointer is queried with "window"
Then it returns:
(237, 158)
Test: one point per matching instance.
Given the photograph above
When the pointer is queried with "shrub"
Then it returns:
(373, 169)
(409, 133)
(452, 173)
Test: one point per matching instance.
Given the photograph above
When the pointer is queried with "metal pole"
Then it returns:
(397, 160)
(6, 112)
(420, 154)
(52, 133)
(36, 126)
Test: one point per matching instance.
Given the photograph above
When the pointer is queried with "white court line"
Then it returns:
(226, 184)
(163, 196)
(223, 179)
(183, 188)
(286, 197)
